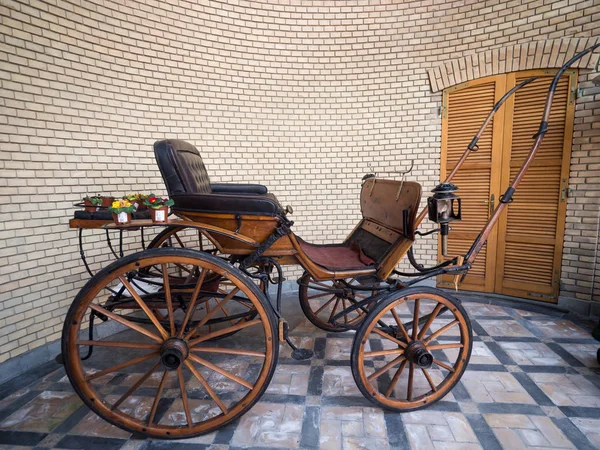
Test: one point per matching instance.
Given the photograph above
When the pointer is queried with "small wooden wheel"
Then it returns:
(169, 378)
(321, 301)
(403, 367)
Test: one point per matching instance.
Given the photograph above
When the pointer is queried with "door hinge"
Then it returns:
(564, 192)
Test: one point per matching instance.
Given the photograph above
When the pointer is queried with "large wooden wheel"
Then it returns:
(190, 238)
(404, 367)
(167, 377)
(322, 300)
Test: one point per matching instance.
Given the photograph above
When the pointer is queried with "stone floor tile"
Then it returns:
(44, 413)
(532, 353)
(509, 421)
(490, 387)
(481, 354)
(330, 437)
(93, 425)
(590, 428)
(290, 379)
(440, 445)
(481, 309)
(418, 437)
(568, 389)
(509, 439)
(586, 353)
(551, 432)
(364, 442)
(509, 328)
(339, 381)
(561, 327)
(270, 425)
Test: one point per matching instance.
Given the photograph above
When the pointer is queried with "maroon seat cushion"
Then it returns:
(336, 256)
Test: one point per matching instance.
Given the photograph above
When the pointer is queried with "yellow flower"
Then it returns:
(116, 204)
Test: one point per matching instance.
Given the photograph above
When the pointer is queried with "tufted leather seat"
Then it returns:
(188, 184)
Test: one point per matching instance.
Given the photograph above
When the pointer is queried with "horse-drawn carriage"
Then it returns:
(180, 339)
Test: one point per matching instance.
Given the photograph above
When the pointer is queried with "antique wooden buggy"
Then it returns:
(186, 339)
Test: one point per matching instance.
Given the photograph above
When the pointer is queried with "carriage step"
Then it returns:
(299, 354)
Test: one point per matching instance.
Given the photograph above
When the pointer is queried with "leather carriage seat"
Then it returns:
(188, 184)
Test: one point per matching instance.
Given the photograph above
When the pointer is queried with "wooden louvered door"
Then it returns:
(522, 256)
(465, 108)
(530, 251)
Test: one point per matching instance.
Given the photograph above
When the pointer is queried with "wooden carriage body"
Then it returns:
(239, 218)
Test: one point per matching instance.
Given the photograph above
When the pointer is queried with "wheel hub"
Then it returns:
(417, 353)
(173, 352)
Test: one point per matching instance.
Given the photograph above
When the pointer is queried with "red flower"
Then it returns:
(152, 199)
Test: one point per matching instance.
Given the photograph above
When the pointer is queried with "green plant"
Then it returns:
(157, 202)
(95, 200)
(123, 205)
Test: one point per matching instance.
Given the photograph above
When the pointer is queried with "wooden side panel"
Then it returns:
(532, 230)
(466, 107)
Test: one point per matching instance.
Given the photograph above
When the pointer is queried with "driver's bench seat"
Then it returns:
(189, 186)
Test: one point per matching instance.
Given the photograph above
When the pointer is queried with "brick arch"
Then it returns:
(546, 54)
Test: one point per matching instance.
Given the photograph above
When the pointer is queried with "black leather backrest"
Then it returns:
(181, 167)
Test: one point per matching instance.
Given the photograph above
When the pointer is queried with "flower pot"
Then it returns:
(122, 218)
(107, 201)
(89, 207)
(139, 205)
(159, 215)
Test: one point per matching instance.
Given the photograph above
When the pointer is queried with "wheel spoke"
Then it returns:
(409, 386)
(390, 388)
(119, 344)
(325, 305)
(222, 371)
(126, 322)
(206, 386)
(343, 309)
(319, 283)
(157, 398)
(144, 307)
(133, 388)
(392, 351)
(430, 320)
(400, 325)
(192, 304)
(444, 365)
(443, 346)
(429, 380)
(387, 336)
(184, 398)
(323, 294)
(415, 324)
(337, 302)
(223, 331)
(229, 351)
(222, 308)
(212, 313)
(385, 368)
(179, 240)
(167, 288)
(440, 331)
(132, 362)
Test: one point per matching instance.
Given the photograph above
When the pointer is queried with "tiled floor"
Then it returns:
(533, 382)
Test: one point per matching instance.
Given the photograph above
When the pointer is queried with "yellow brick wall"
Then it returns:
(302, 96)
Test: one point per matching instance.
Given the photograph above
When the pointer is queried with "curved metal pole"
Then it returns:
(473, 147)
(539, 136)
